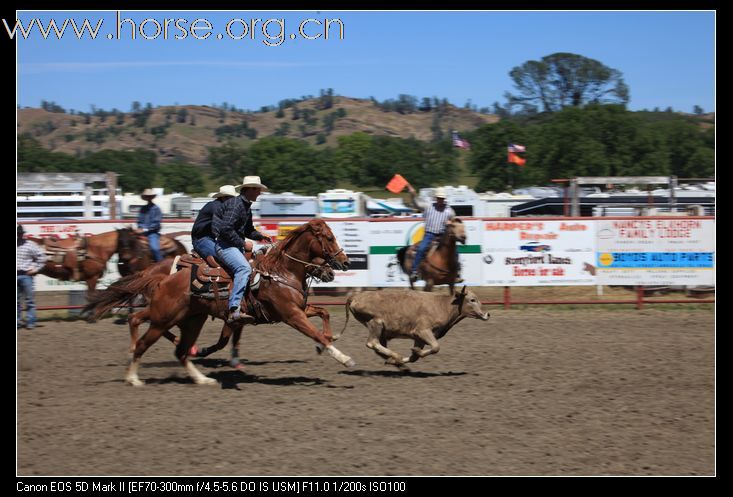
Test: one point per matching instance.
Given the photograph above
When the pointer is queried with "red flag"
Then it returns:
(396, 184)
(515, 159)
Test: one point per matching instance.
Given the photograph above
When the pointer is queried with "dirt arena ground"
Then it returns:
(533, 391)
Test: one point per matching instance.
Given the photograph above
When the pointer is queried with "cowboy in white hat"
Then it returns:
(231, 224)
(436, 216)
(201, 235)
(148, 223)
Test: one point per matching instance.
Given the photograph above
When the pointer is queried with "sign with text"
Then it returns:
(656, 251)
(538, 252)
(386, 238)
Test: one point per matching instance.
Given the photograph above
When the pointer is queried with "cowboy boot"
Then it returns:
(236, 315)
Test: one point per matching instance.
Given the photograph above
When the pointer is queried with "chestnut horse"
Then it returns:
(105, 300)
(134, 252)
(282, 293)
(439, 266)
(85, 258)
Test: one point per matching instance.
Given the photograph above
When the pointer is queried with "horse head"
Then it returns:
(457, 230)
(325, 245)
(128, 250)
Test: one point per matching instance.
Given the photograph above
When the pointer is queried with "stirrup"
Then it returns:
(237, 316)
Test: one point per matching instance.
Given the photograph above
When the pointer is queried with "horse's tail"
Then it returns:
(401, 254)
(349, 297)
(121, 293)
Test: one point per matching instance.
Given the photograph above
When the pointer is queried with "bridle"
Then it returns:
(328, 258)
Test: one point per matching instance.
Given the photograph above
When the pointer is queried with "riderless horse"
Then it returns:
(282, 297)
(439, 266)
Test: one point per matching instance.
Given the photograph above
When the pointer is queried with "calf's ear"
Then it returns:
(459, 297)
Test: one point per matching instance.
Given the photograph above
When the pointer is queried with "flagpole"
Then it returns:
(511, 169)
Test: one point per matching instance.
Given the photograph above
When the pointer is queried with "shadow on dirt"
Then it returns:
(401, 374)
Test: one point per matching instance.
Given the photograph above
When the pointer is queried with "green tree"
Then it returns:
(488, 157)
(372, 161)
(32, 157)
(352, 153)
(136, 169)
(226, 162)
(180, 177)
(286, 164)
(685, 146)
(565, 79)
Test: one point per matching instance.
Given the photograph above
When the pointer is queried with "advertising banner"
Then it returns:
(656, 251)
(634, 251)
(65, 230)
(386, 238)
(536, 252)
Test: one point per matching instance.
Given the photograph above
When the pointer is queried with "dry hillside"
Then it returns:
(189, 140)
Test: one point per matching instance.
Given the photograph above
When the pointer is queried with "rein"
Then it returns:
(309, 277)
(309, 264)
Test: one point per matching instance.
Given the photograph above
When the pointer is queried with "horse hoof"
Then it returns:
(135, 382)
(236, 363)
(350, 363)
(206, 381)
(320, 348)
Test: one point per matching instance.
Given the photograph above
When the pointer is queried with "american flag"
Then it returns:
(516, 148)
(460, 142)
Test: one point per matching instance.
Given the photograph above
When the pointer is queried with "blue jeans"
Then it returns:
(25, 291)
(421, 249)
(154, 243)
(234, 260)
(204, 246)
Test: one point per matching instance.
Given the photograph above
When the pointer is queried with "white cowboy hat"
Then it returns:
(439, 192)
(251, 182)
(225, 191)
(148, 192)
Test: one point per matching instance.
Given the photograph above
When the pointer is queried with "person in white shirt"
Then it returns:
(29, 259)
(436, 214)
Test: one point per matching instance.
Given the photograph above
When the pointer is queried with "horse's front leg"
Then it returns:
(92, 283)
(235, 362)
(295, 317)
(321, 312)
(227, 331)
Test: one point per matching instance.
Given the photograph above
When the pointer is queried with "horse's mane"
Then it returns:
(274, 261)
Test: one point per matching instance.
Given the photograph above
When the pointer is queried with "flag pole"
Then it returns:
(511, 169)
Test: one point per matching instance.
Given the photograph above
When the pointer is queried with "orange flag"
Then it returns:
(396, 184)
(516, 159)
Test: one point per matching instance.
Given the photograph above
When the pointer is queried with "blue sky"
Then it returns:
(667, 58)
